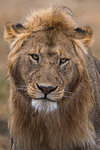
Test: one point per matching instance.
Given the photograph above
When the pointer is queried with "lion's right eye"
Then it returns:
(63, 61)
(35, 57)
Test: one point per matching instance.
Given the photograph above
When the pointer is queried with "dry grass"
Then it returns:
(4, 143)
(3, 114)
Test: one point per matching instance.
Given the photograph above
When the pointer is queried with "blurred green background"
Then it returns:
(86, 12)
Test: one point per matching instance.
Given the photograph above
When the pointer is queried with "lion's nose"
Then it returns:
(46, 89)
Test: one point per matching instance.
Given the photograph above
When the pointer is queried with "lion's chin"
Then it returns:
(44, 105)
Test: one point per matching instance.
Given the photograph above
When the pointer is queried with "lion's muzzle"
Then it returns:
(46, 89)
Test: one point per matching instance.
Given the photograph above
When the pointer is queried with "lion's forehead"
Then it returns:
(46, 43)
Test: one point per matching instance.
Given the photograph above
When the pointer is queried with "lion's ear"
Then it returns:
(84, 34)
(12, 31)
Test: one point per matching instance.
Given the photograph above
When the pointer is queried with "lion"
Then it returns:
(55, 83)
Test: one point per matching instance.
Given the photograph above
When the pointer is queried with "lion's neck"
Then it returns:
(68, 126)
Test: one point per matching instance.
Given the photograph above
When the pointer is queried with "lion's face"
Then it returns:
(47, 65)
(47, 56)
(44, 61)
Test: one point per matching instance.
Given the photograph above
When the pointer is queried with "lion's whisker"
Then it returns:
(22, 89)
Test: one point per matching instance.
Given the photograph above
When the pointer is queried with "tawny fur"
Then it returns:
(75, 123)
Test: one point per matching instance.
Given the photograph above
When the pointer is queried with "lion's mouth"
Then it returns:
(45, 99)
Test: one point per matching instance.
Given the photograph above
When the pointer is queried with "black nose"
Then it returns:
(46, 89)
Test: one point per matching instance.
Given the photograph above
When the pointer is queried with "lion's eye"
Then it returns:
(35, 57)
(63, 60)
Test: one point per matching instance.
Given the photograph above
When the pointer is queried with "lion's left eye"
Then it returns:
(63, 60)
(35, 57)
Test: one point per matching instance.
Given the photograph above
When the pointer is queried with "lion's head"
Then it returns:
(46, 58)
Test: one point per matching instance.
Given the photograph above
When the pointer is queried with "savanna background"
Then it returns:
(86, 12)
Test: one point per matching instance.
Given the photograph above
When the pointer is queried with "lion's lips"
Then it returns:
(45, 99)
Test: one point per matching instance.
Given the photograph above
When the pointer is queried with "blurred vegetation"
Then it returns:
(86, 12)
(4, 90)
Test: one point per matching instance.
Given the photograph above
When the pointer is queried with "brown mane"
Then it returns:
(43, 20)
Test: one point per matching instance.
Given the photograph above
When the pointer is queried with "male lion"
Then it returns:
(55, 84)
